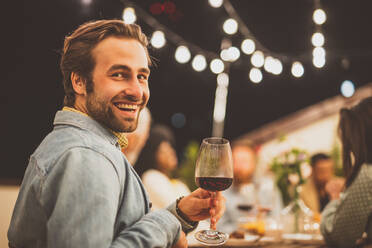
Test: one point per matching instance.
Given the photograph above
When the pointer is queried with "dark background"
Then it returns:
(32, 35)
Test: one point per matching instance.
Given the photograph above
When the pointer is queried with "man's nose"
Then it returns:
(134, 90)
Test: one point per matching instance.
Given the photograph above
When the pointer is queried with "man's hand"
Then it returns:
(200, 205)
(182, 241)
(334, 187)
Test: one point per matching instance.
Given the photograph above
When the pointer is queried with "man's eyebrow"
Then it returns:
(144, 70)
(127, 68)
(119, 67)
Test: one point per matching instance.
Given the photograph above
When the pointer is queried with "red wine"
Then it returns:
(213, 183)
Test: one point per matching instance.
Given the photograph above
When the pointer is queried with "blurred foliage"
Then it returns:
(288, 168)
(186, 171)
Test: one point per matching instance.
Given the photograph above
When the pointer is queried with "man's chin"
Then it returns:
(127, 126)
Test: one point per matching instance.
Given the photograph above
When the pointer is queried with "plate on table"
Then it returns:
(303, 238)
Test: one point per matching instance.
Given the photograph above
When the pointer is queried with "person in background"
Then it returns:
(348, 215)
(313, 192)
(249, 191)
(137, 139)
(78, 189)
(156, 162)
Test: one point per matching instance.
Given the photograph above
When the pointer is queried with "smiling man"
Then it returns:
(79, 189)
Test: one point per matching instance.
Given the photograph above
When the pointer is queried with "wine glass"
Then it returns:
(213, 172)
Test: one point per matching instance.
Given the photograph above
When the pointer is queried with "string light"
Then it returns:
(269, 64)
(255, 75)
(230, 26)
(199, 63)
(217, 66)
(257, 59)
(234, 53)
(223, 79)
(129, 15)
(278, 67)
(319, 62)
(319, 52)
(182, 54)
(297, 69)
(317, 39)
(319, 16)
(215, 3)
(225, 55)
(158, 39)
(248, 46)
(347, 88)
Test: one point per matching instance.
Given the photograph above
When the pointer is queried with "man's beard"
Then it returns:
(100, 109)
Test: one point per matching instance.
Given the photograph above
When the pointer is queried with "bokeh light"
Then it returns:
(347, 88)
(182, 54)
(129, 15)
(199, 63)
(255, 75)
(158, 39)
(230, 26)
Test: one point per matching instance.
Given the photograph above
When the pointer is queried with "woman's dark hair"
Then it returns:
(147, 158)
(355, 131)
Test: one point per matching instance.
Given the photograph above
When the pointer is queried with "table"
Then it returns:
(239, 243)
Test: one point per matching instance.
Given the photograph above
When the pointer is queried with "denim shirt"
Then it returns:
(79, 190)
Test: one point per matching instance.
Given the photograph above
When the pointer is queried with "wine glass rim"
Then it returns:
(216, 141)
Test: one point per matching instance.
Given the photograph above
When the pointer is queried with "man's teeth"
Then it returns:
(127, 106)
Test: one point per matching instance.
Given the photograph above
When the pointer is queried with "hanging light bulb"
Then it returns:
(129, 16)
(269, 64)
(297, 69)
(278, 67)
(257, 59)
(347, 88)
(225, 55)
(223, 79)
(157, 39)
(255, 75)
(230, 26)
(182, 54)
(319, 62)
(199, 63)
(234, 53)
(215, 3)
(317, 39)
(319, 16)
(217, 66)
(248, 46)
(319, 52)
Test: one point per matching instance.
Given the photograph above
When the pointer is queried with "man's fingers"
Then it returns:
(203, 203)
(201, 193)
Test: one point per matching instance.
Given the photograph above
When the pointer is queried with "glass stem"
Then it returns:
(211, 230)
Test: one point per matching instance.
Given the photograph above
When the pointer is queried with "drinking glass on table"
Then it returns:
(213, 172)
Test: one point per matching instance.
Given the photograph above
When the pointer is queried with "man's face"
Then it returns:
(323, 171)
(244, 164)
(120, 83)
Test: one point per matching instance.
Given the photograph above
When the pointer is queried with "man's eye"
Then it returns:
(117, 74)
(142, 77)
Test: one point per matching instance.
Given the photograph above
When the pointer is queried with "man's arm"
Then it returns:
(81, 199)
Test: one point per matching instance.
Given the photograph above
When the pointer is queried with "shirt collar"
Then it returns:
(120, 137)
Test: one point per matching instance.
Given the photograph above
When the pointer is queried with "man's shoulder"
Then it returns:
(64, 139)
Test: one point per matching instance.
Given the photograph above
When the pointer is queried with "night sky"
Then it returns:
(33, 32)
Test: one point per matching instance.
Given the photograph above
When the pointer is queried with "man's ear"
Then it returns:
(78, 84)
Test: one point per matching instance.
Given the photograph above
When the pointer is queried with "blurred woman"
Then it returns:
(348, 216)
(154, 165)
